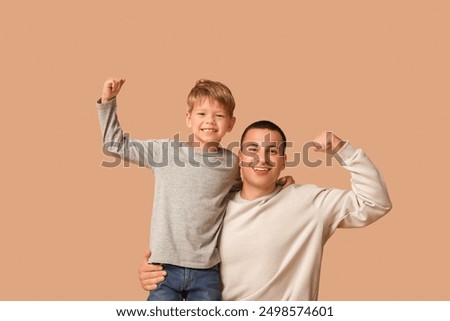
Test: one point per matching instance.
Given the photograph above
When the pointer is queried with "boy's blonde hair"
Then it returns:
(212, 90)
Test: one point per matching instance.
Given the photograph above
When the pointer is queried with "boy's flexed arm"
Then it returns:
(115, 142)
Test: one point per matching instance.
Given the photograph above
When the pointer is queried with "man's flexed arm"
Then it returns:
(368, 198)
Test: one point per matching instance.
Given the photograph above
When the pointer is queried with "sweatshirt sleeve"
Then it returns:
(120, 145)
(367, 201)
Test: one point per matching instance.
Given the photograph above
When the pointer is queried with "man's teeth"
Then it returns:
(260, 168)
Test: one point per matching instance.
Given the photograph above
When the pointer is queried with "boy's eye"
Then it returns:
(220, 115)
(201, 114)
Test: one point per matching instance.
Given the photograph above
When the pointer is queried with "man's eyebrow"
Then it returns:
(269, 144)
(249, 144)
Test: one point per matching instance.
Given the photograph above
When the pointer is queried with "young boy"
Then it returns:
(192, 180)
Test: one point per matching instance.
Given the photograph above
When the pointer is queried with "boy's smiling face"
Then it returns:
(209, 122)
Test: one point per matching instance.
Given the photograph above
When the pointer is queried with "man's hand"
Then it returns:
(328, 142)
(111, 88)
(150, 274)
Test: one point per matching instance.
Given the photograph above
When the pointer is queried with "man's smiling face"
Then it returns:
(262, 158)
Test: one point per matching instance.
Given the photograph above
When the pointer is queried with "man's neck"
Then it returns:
(251, 193)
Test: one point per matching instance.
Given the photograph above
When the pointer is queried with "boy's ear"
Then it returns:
(188, 119)
(232, 122)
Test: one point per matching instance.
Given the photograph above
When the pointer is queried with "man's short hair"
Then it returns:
(266, 124)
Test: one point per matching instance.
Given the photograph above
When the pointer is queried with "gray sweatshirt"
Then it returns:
(190, 191)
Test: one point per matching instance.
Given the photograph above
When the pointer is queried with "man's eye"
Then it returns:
(273, 152)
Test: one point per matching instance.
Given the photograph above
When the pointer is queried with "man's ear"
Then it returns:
(283, 166)
(232, 122)
(188, 120)
(240, 157)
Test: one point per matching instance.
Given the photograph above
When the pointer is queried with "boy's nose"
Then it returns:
(210, 120)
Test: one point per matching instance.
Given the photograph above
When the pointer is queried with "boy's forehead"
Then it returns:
(208, 102)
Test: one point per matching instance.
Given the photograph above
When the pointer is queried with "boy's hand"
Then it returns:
(328, 142)
(111, 88)
(150, 274)
(285, 181)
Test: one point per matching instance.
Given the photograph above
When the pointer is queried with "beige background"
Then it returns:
(374, 72)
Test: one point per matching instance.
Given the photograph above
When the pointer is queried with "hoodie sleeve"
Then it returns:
(121, 146)
(366, 201)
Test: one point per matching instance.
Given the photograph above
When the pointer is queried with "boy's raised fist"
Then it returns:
(111, 88)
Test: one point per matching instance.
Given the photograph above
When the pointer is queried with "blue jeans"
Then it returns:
(188, 284)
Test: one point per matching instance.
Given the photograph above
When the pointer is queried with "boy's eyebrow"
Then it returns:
(206, 109)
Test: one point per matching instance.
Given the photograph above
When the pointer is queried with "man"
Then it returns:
(272, 238)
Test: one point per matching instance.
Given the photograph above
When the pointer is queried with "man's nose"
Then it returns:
(264, 157)
(260, 157)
